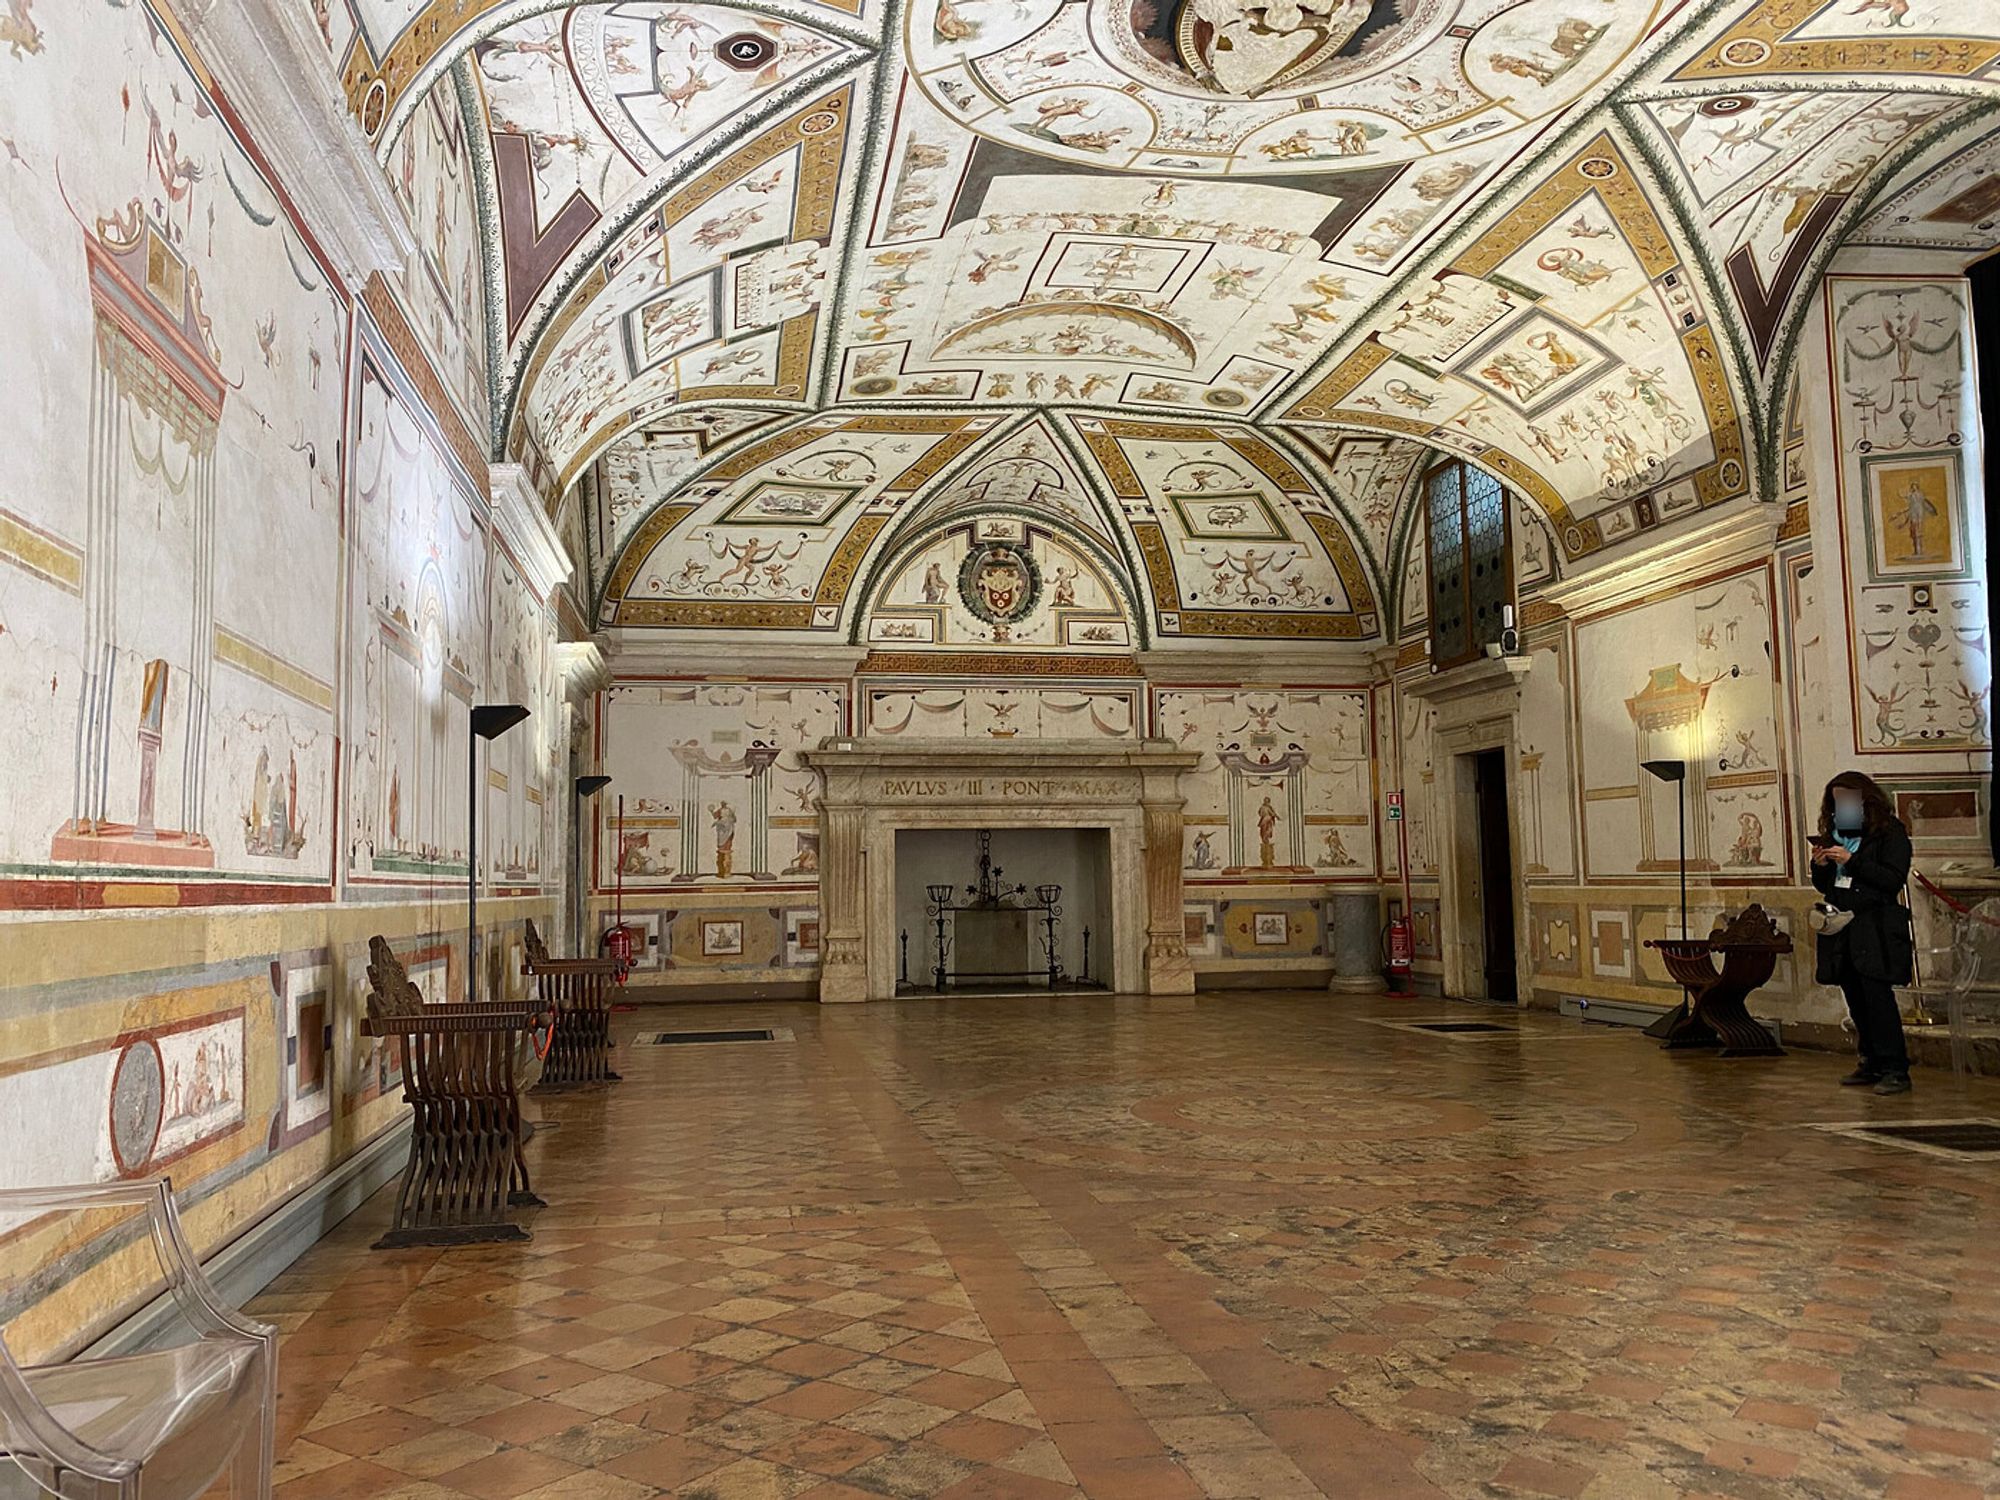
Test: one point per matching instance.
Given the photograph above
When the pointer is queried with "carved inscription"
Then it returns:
(1005, 788)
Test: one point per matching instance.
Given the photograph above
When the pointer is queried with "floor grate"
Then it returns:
(1980, 1137)
(1957, 1140)
(684, 1038)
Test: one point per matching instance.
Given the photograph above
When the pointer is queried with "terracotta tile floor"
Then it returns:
(1247, 1246)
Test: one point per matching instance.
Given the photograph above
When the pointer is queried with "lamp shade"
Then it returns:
(491, 720)
(940, 894)
(1048, 895)
(1665, 770)
(590, 786)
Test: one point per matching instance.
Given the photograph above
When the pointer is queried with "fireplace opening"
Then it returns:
(997, 897)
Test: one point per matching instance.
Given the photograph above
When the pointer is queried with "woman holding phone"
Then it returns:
(1860, 863)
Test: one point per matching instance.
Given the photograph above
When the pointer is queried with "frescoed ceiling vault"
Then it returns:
(792, 291)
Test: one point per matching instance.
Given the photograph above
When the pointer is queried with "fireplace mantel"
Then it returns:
(877, 786)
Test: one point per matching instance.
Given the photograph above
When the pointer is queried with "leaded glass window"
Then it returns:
(1471, 579)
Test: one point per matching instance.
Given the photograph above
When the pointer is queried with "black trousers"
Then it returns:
(1878, 1023)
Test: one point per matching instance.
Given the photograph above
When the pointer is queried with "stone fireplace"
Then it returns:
(875, 787)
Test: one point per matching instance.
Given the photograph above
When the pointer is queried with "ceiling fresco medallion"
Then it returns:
(1245, 47)
(1000, 584)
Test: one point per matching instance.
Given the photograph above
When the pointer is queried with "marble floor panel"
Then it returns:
(1248, 1246)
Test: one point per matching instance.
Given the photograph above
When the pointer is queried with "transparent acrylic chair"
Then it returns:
(1972, 1002)
(165, 1424)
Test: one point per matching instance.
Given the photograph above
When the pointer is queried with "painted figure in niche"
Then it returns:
(806, 860)
(723, 816)
(934, 584)
(1749, 846)
(1335, 852)
(271, 821)
(635, 855)
(1917, 518)
(1064, 584)
(1267, 834)
(1203, 857)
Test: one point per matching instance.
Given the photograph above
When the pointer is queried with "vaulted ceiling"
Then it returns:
(1195, 286)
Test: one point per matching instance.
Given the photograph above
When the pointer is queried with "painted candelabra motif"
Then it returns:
(1915, 539)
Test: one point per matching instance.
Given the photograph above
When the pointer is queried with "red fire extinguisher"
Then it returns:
(618, 939)
(1401, 941)
(1402, 954)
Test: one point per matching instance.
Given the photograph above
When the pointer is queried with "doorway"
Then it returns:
(1496, 876)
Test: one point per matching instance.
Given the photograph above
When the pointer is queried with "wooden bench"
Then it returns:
(1749, 946)
(460, 1066)
(579, 992)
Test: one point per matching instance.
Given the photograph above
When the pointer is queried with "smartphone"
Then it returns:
(1818, 840)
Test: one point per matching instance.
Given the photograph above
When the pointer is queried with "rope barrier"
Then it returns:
(1954, 906)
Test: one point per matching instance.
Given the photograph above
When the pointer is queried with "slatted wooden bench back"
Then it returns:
(579, 989)
(459, 1076)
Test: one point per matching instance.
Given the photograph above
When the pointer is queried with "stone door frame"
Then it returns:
(1478, 708)
(875, 788)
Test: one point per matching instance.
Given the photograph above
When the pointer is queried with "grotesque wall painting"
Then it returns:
(1688, 677)
(713, 788)
(522, 766)
(417, 611)
(1914, 543)
(775, 535)
(443, 284)
(169, 504)
(1283, 788)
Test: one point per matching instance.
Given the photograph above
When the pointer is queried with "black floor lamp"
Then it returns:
(489, 722)
(586, 787)
(1675, 771)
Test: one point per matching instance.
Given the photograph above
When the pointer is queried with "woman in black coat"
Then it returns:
(1860, 863)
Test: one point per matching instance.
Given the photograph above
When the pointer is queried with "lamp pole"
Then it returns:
(583, 788)
(489, 722)
(1681, 817)
(1676, 772)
